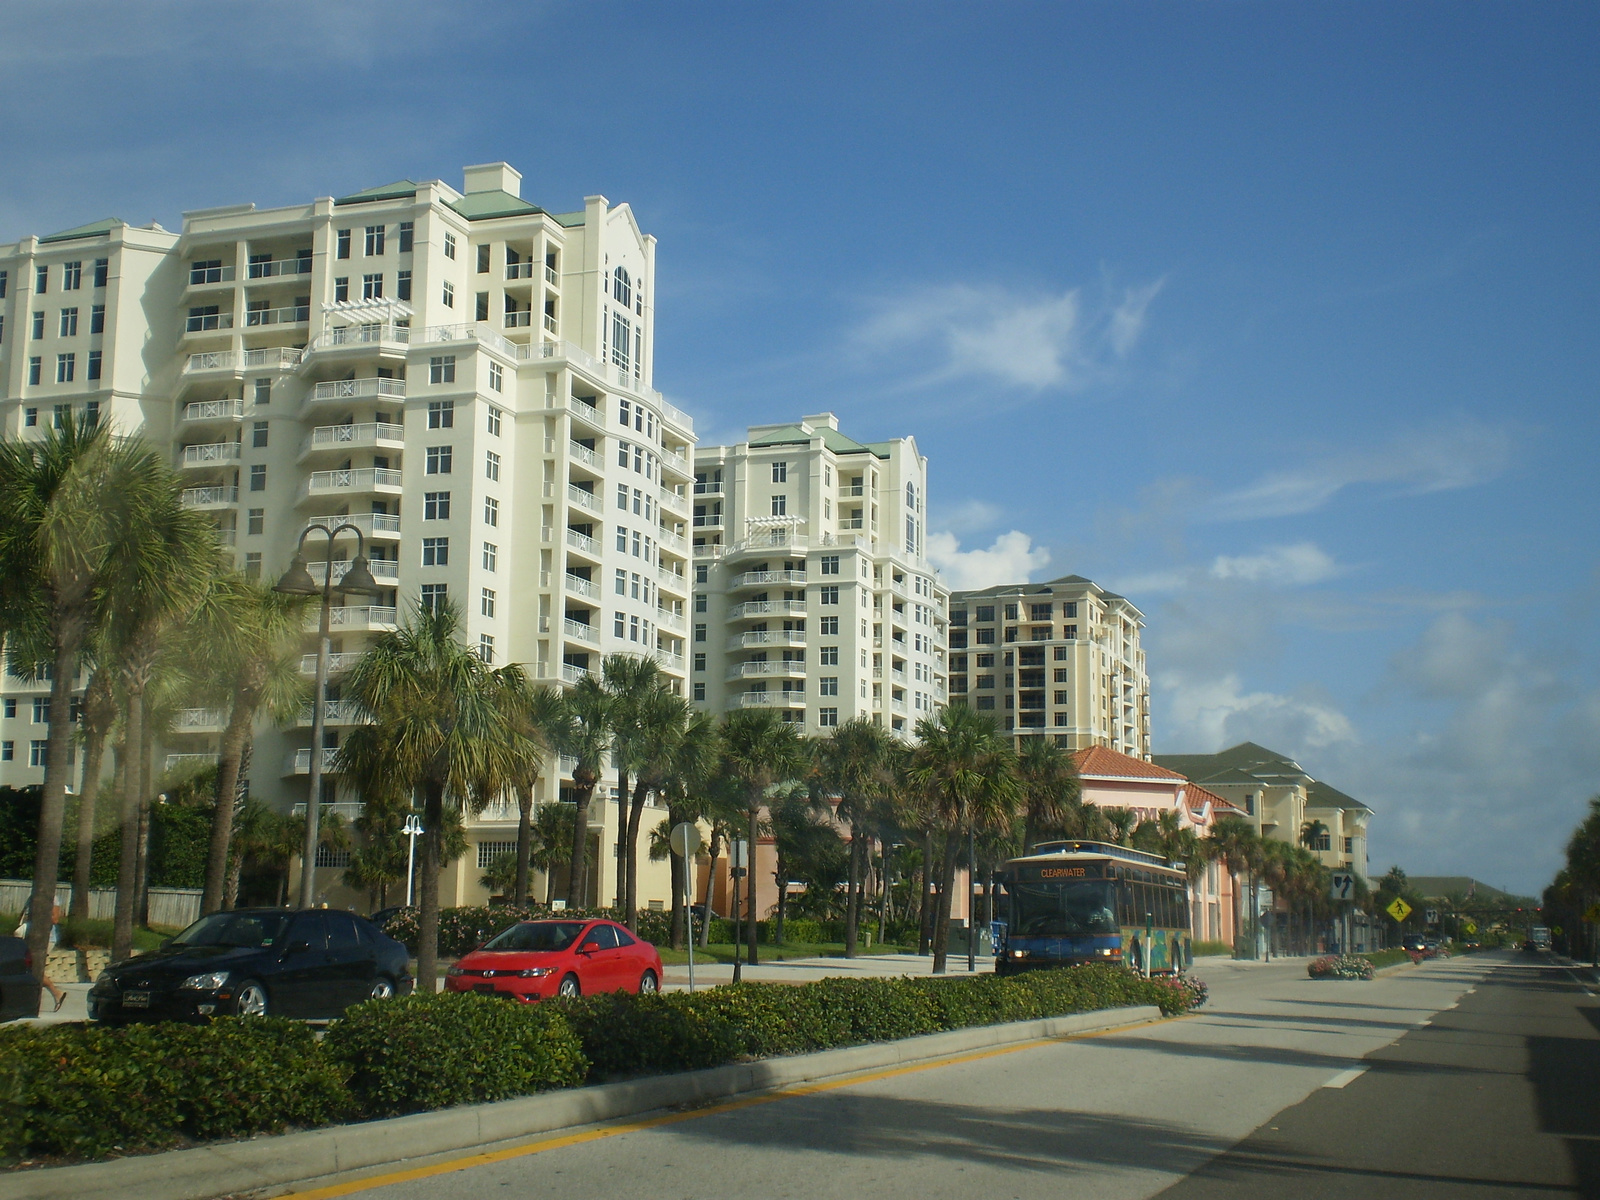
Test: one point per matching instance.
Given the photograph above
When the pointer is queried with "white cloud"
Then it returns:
(1012, 559)
(970, 516)
(1416, 463)
(1280, 566)
(1038, 341)
(1212, 712)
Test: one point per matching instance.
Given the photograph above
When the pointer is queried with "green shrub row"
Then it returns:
(461, 930)
(82, 1091)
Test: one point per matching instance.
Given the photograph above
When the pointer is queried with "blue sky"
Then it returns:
(1280, 319)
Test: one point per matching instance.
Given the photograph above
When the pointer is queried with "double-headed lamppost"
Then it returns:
(297, 581)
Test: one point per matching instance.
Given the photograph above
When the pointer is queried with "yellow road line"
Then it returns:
(467, 1162)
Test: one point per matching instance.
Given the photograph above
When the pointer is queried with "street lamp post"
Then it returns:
(297, 581)
(413, 830)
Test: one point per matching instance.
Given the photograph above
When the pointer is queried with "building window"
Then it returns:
(252, 565)
(342, 243)
(489, 851)
(41, 279)
(480, 307)
(828, 595)
(35, 365)
(5, 280)
(69, 322)
(491, 556)
(8, 751)
(828, 718)
(372, 287)
(433, 595)
(486, 647)
(341, 289)
(1349, 845)
(1039, 612)
(1068, 633)
(95, 364)
(439, 459)
(328, 856)
(258, 478)
(38, 326)
(483, 260)
(66, 367)
(486, 602)
(699, 633)
(830, 564)
(1041, 633)
(442, 413)
(435, 506)
(828, 685)
(985, 681)
(102, 270)
(828, 656)
(71, 276)
(37, 752)
(780, 472)
(448, 294)
(449, 244)
(780, 506)
(402, 285)
(263, 391)
(497, 377)
(830, 626)
(491, 511)
(374, 239)
(491, 467)
(407, 232)
(700, 603)
(41, 710)
(441, 369)
(619, 624)
(494, 416)
(256, 521)
(436, 552)
(700, 661)
(258, 435)
(97, 318)
(699, 694)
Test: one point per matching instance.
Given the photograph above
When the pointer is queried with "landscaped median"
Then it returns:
(74, 1092)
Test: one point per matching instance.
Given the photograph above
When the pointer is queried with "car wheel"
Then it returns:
(649, 985)
(569, 987)
(251, 1000)
(383, 990)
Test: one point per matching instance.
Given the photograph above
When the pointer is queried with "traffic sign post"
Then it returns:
(685, 840)
(1342, 885)
(1399, 910)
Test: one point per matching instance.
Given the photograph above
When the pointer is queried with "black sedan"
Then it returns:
(254, 962)
(19, 990)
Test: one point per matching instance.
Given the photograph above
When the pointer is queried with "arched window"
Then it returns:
(621, 287)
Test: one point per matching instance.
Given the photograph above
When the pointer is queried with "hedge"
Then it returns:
(87, 1091)
(462, 930)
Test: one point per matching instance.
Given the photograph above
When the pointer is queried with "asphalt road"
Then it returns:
(1305, 1088)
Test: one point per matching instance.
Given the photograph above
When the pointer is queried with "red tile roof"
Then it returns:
(1098, 762)
(1197, 797)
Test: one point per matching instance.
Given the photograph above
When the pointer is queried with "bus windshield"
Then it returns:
(1073, 909)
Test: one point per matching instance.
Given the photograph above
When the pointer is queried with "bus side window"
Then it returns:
(1171, 907)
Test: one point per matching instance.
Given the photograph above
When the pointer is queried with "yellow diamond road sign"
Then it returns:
(1399, 910)
(1470, 927)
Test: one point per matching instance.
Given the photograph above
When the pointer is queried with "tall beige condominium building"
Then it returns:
(463, 376)
(1060, 658)
(812, 594)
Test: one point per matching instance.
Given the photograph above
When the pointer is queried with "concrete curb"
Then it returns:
(267, 1161)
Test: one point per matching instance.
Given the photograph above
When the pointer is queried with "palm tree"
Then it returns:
(630, 680)
(1120, 824)
(854, 764)
(679, 767)
(438, 727)
(99, 716)
(760, 751)
(550, 835)
(662, 721)
(1050, 789)
(1236, 845)
(71, 501)
(583, 733)
(536, 713)
(967, 768)
(243, 649)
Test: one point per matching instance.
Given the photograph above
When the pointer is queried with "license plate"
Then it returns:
(135, 999)
(486, 989)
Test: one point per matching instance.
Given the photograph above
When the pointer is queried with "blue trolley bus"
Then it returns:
(1080, 902)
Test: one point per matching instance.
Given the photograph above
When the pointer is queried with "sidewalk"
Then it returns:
(804, 970)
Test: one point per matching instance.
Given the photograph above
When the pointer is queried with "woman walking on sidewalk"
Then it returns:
(56, 993)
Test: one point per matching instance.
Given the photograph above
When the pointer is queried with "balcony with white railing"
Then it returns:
(211, 454)
(199, 720)
(189, 762)
(355, 617)
(673, 581)
(583, 543)
(198, 411)
(353, 481)
(767, 637)
(579, 586)
(298, 762)
(291, 314)
(667, 619)
(772, 700)
(273, 268)
(219, 496)
(521, 270)
(678, 463)
(549, 323)
(583, 454)
(334, 712)
(584, 499)
(207, 322)
(345, 810)
(551, 277)
(674, 542)
(383, 570)
(379, 334)
(852, 489)
(371, 525)
(477, 331)
(579, 632)
(586, 412)
(753, 670)
(273, 358)
(342, 660)
(760, 578)
(343, 438)
(673, 501)
(373, 387)
(519, 318)
(766, 608)
(572, 674)
(207, 276)
(669, 660)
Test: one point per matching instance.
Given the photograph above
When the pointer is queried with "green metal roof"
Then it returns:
(1023, 589)
(1237, 764)
(481, 206)
(93, 229)
(793, 435)
(1323, 795)
(1445, 887)
(569, 220)
(401, 189)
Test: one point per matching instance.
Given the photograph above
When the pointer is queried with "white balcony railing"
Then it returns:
(584, 455)
(356, 389)
(520, 270)
(672, 541)
(549, 323)
(669, 660)
(207, 322)
(298, 762)
(519, 320)
(580, 586)
(284, 358)
(571, 673)
(583, 542)
(374, 333)
(587, 412)
(280, 266)
(772, 700)
(189, 762)
(199, 275)
(353, 479)
(370, 524)
(292, 314)
(334, 712)
(340, 661)
(767, 637)
(210, 454)
(756, 578)
(209, 497)
(551, 277)
(752, 670)
(199, 720)
(356, 616)
(382, 569)
(667, 619)
(580, 632)
(344, 437)
(763, 608)
(583, 499)
(213, 410)
(678, 504)
(678, 463)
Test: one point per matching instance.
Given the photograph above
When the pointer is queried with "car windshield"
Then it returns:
(1062, 909)
(250, 930)
(537, 935)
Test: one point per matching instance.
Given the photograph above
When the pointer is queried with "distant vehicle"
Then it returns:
(534, 960)
(1081, 902)
(382, 916)
(256, 962)
(1539, 935)
(19, 990)
(1420, 943)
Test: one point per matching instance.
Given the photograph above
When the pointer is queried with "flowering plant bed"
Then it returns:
(1343, 966)
(1191, 993)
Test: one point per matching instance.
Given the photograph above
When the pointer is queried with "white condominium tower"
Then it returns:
(1060, 659)
(461, 375)
(812, 595)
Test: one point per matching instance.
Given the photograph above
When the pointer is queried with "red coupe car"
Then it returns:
(536, 959)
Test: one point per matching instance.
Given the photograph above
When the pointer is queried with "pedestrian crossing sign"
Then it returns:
(1399, 909)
